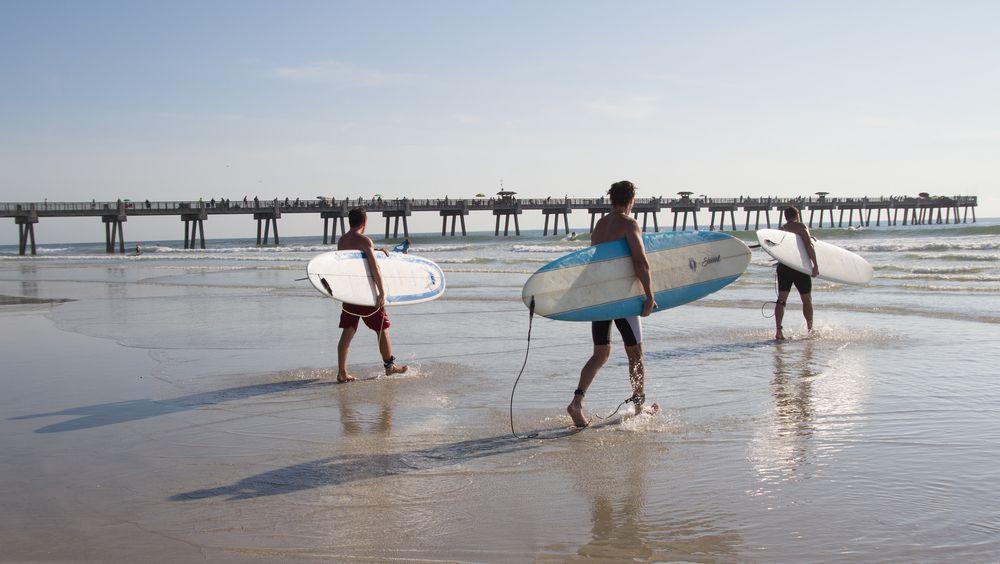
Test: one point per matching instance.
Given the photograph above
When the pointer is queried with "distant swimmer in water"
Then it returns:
(138, 250)
(403, 247)
(374, 317)
(619, 225)
(572, 237)
(788, 276)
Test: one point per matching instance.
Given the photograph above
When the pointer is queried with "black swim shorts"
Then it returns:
(789, 276)
(630, 329)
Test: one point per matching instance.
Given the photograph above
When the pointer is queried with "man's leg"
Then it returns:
(385, 347)
(596, 361)
(779, 314)
(342, 348)
(637, 377)
(807, 309)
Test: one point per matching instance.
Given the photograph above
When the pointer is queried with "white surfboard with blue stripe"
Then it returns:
(599, 283)
(344, 276)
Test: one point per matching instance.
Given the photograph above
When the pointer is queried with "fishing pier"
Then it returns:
(919, 210)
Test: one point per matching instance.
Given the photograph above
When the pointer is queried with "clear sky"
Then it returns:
(176, 100)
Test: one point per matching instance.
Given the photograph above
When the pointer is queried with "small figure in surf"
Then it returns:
(403, 247)
(619, 225)
(138, 250)
(374, 317)
(788, 276)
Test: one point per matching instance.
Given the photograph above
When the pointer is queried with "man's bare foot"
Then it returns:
(395, 369)
(342, 378)
(779, 336)
(575, 412)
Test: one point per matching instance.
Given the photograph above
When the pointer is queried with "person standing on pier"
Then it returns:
(788, 276)
(374, 317)
(619, 225)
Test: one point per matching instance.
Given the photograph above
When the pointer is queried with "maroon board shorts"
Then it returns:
(374, 318)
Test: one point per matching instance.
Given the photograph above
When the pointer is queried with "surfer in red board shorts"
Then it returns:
(619, 225)
(788, 276)
(374, 317)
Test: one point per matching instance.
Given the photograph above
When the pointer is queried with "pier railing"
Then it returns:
(917, 210)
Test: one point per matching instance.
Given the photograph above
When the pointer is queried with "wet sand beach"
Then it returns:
(179, 409)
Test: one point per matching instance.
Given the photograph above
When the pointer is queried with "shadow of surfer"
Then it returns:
(345, 469)
(619, 225)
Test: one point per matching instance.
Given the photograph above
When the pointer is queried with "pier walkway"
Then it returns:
(920, 210)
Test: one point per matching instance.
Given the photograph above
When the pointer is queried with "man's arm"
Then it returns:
(641, 265)
(369, 250)
(810, 249)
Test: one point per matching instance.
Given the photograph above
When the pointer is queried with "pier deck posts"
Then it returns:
(196, 222)
(507, 212)
(456, 215)
(556, 211)
(401, 211)
(114, 232)
(338, 217)
(26, 232)
(268, 218)
(600, 211)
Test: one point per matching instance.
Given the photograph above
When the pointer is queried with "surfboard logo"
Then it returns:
(709, 260)
(693, 264)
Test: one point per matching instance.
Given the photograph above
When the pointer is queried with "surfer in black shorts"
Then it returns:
(619, 225)
(788, 277)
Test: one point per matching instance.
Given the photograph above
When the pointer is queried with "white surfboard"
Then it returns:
(344, 276)
(599, 283)
(835, 264)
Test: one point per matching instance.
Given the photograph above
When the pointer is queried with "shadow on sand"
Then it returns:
(90, 416)
(344, 469)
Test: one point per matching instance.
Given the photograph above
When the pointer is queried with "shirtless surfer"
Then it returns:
(619, 225)
(788, 276)
(374, 317)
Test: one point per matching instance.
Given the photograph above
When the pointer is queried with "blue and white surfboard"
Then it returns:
(599, 283)
(344, 275)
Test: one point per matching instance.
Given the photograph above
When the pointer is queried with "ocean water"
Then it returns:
(184, 401)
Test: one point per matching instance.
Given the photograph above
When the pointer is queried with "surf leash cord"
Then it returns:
(527, 349)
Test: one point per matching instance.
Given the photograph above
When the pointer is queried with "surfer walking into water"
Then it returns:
(787, 277)
(619, 225)
(374, 317)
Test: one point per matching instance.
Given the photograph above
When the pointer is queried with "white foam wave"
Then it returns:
(546, 248)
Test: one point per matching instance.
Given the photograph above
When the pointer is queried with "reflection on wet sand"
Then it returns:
(810, 402)
(353, 419)
(614, 479)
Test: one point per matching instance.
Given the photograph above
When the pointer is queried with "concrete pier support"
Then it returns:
(114, 232)
(455, 215)
(648, 209)
(507, 213)
(555, 212)
(194, 225)
(268, 219)
(599, 212)
(26, 233)
(757, 208)
(395, 216)
(337, 217)
(722, 217)
(685, 210)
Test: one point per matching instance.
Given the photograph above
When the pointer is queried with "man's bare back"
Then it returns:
(612, 227)
(353, 241)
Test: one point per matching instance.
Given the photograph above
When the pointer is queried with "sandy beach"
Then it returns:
(178, 410)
